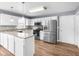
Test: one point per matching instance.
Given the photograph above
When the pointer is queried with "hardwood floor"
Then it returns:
(4, 52)
(60, 49)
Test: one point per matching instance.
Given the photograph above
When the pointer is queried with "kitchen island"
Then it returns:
(18, 42)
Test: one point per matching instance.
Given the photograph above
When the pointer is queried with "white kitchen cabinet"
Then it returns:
(27, 22)
(5, 41)
(2, 39)
(21, 23)
(41, 35)
(11, 43)
(8, 20)
(44, 20)
(29, 46)
(21, 20)
(77, 29)
(18, 46)
(24, 47)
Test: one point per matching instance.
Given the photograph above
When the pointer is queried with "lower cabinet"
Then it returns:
(18, 46)
(11, 43)
(24, 47)
(41, 35)
(28, 46)
(5, 39)
(2, 39)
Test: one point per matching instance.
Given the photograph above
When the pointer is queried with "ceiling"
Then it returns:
(53, 8)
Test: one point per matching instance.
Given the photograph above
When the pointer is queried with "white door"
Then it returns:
(67, 29)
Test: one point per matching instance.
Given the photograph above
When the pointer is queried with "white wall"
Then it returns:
(77, 28)
(66, 32)
(75, 23)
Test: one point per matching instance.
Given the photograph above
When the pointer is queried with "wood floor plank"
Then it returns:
(4, 52)
(60, 49)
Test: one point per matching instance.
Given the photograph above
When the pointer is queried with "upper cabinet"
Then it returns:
(8, 20)
(21, 23)
(27, 22)
(44, 20)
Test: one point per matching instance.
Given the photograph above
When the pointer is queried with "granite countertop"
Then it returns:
(23, 34)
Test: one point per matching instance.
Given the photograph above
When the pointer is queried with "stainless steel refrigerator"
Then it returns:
(50, 34)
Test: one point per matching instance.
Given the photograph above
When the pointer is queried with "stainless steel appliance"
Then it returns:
(50, 33)
(37, 28)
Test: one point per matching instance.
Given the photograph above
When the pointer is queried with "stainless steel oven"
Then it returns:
(37, 28)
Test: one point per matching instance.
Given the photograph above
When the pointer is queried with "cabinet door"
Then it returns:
(6, 20)
(41, 35)
(18, 46)
(29, 47)
(5, 41)
(27, 22)
(11, 43)
(2, 40)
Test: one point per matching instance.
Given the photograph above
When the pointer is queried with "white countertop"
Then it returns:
(24, 35)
